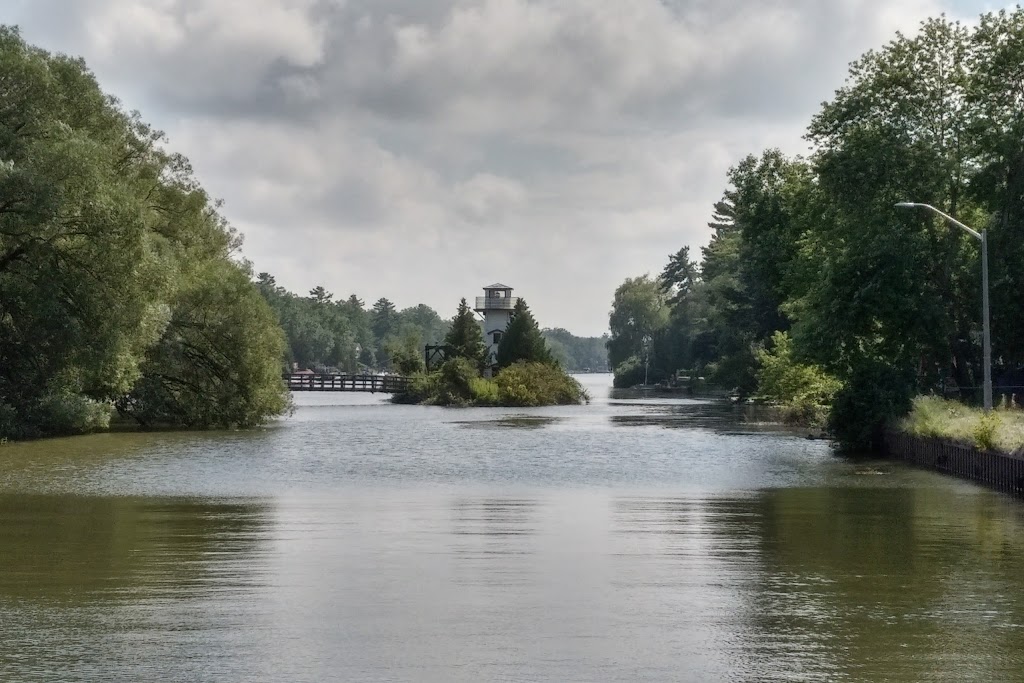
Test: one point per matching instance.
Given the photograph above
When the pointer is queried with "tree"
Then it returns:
(576, 353)
(522, 339)
(218, 362)
(431, 326)
(383, 319)
(101, 232)
(465, 338)
(320, 295)
(638, 311)
(679, 276)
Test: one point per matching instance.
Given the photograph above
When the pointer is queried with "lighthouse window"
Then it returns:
(497, 337)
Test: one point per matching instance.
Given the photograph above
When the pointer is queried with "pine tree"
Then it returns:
(522, 339)
(465, 339)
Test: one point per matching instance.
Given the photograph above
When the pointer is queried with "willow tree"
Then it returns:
(101, 233)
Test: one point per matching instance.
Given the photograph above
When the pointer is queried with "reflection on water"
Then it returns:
(395, 544)
(511, 422)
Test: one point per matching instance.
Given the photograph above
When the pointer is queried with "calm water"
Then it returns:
(628, 540)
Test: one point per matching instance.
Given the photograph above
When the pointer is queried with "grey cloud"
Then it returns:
(418, 149)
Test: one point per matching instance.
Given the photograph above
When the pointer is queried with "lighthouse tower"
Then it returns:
(496, 306)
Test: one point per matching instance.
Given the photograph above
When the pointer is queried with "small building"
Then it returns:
(496, 307)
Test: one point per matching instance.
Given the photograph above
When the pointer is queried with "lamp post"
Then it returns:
(986, 338)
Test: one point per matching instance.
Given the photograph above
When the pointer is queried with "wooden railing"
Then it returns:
(385, 384)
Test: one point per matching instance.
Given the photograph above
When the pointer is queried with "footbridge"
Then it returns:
(385, 384)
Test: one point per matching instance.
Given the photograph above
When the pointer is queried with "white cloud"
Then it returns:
(418, 149)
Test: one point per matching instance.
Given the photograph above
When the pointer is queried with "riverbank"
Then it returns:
(1000, 430)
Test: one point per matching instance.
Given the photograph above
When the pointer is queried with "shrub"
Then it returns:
(520, 384)
(66, 414)
(630, 373)
(804, 391)
(534, 384)
(485, 392)
(985, 431)
(874, 394)
(1001, 429)
(421, 388)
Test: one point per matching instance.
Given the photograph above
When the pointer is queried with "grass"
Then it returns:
(931, 416)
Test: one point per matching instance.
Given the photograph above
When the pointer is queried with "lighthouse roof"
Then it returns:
(497, 286)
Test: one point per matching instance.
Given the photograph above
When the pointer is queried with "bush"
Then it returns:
(874, 395)
(804, 391)
(421, 388)
(67, 414)
(537, 384)
(520, 384)
(985, 431)
(933, 417)
(485, 392)
(630, 373)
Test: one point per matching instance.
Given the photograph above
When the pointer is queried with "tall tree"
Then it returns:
(522, 340)
(679, 276)
(465, 339)
(383, 319)
(639, 312)
(101, 231)
(320, 295)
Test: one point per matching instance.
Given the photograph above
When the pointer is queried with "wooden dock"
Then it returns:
(385, 384)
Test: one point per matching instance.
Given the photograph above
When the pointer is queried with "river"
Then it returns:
(628, 540)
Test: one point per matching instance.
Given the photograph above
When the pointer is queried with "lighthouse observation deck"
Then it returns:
(496, 303)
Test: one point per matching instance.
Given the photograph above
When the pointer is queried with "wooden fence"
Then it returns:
(1001, 471)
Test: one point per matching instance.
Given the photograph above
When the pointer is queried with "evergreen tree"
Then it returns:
(465, 339)
(522, 339)
(383, 320)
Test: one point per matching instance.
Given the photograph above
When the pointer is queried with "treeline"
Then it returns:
(324, 334)
(327, 335)
(117, 284)
(814, 287)
(577, 354)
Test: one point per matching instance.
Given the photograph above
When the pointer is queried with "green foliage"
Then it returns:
(522, 340)
(383, 319)
(405, 355)
(639, 312)
(537, 384)
(805, 391)
(933, 417)
(631, 373)
(872, 396)
(465, 338)
(72, 414)
(102, 234)
(218, 361)
(485, 392)
(342, 335)
(457, 376)
(576, 354)
(871, 294)
(985, 431)
(458, 383)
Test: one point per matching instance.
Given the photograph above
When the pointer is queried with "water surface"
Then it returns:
(633, 539)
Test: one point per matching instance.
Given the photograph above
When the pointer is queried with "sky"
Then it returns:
(420, 150)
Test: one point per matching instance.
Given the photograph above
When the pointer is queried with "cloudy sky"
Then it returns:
(421, 149)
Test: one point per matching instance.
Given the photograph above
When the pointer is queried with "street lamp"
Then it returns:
(986, 338)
